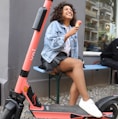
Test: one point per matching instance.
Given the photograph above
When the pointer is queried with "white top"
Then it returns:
(67, 47)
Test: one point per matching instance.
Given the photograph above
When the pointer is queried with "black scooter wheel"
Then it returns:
(112, 108)
(8, 114)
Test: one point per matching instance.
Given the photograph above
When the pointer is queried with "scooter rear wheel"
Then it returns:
(112, 108)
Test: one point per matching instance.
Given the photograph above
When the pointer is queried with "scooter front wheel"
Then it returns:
(8, 114)
(9, 111)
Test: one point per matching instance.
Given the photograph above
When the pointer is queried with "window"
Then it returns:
(100, 24)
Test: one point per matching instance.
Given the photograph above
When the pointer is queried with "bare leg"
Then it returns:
(73, 94)
(75, 69)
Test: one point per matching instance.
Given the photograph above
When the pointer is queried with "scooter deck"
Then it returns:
(57, 111)
(65, 108)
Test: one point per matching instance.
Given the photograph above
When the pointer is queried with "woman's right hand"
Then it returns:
(71, 32)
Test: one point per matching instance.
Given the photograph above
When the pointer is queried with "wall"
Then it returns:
(16, 20)
(41, 78)
(4, 38)
(16, 30)
(4, 46)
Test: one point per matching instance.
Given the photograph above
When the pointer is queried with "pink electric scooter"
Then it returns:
(14, 103)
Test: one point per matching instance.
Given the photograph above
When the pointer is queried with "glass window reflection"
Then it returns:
(100, 24)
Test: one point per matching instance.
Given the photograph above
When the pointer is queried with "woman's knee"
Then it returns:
(78, 63)
(70, 63)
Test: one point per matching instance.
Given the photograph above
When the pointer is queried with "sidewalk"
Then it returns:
(96, 92)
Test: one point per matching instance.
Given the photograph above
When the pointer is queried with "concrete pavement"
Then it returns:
(96, 92)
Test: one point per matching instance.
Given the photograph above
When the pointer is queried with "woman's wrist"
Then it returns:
(66, 37)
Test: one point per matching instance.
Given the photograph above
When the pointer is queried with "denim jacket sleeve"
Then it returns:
(74, 46)
(54, 36)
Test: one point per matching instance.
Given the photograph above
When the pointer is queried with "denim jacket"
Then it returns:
(54, 41)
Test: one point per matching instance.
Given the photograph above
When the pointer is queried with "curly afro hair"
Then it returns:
(57, 13)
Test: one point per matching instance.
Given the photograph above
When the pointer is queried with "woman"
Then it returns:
(60, 54)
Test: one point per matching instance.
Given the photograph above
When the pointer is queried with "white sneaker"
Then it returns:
(90, 107)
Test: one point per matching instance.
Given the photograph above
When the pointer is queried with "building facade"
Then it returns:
(16, 20)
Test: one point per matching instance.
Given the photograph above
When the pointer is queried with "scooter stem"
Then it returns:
(38, 29)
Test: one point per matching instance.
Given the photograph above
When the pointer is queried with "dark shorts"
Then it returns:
(50, 66)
